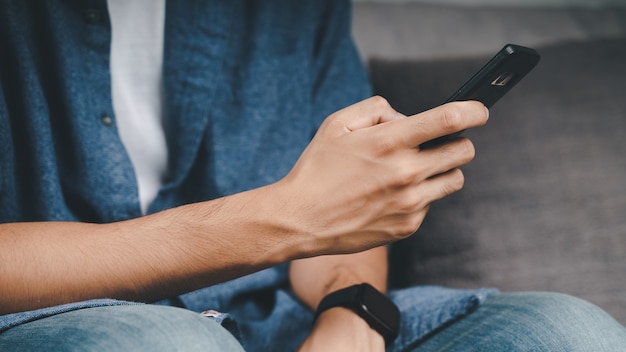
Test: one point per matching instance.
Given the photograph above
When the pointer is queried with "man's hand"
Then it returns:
(364, 182)
(339, 329)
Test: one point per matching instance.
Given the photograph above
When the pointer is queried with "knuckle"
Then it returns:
(403, 177)
(335, 122)
(407, 205)
(468, 150)
(407, 230)
(380, 102)
(404, 229)
(455, 182)
(331, 119)
(452, 118)
(383, 143)
(411, 212)
(411, 225)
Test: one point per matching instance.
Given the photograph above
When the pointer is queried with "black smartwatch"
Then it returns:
(374, 307)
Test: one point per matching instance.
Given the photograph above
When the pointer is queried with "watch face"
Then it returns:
(379, 307)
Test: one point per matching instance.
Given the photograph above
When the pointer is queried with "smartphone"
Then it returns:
(494, 80)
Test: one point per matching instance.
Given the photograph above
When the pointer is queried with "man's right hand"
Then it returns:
(363, 180)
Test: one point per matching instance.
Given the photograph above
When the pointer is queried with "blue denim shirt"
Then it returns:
(246, 85)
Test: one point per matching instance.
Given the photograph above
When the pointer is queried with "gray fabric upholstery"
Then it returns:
(408, 30)
(544, 207)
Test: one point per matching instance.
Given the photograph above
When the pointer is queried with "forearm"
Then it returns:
(314, 278)
(339, 328)
(143, 259)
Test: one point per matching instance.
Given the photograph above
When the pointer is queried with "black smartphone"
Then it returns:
(494, 80)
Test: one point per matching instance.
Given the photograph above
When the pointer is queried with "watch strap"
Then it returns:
(352, 297)
(340, 298)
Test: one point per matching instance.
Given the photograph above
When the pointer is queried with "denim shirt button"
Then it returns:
(107, 120)
(92, 16)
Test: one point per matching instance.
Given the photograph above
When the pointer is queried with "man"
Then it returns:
(236, 215)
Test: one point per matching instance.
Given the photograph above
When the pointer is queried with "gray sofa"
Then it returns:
(544, 207)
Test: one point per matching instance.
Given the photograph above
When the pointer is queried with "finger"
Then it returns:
(363, 114)
(440, 186)
(446, 157)
(440, 121)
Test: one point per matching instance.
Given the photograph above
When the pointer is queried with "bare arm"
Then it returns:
(354, 188)
(143, 259)
(314, 278)
(339, 329)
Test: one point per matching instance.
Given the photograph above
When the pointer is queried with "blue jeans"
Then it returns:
(504, 322)
(530, 322)
(121, 328)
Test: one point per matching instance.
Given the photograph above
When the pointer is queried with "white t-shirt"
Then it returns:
(136, 83)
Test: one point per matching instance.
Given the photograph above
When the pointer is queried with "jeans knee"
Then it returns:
(122, 328)
(553, 306)
(562, 321)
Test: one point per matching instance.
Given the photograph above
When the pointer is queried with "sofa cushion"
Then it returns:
(434, 30)
(544, 204)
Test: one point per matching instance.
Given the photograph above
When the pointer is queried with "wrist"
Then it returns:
(276, 228)
(340, 329)
(280, 211)
(314, 278)
(372, 306)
